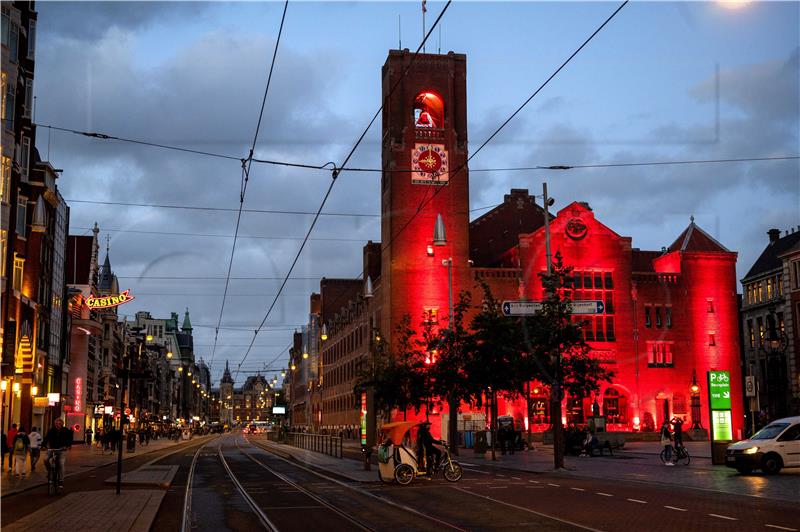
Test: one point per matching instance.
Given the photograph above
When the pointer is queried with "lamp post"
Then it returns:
(774, 349)
(694, 388)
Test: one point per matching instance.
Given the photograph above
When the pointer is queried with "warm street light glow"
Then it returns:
(283, 373)
(34, 390)
(149, 338)
(169, 354)
(324, 334)
(180, 369)
(15, 387)
(4, 384)
(293, 368)
(305, 355)
(189, 373)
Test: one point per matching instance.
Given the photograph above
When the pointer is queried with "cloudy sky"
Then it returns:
(193, 74)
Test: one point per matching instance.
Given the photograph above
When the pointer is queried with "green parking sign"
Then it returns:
(719, 390)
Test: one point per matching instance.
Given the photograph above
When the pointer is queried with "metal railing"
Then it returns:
(318, 443)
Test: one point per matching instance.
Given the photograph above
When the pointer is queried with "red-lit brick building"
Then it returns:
(670, 315)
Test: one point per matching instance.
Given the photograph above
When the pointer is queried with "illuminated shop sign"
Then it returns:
(109, 301)
(719, 387)
(78, 404)
(364, 418)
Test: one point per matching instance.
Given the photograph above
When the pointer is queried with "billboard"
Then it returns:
(278, 410)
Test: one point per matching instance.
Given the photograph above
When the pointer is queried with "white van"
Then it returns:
(770, 449)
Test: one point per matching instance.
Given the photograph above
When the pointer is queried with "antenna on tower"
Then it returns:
(424, 10)
(399, 33)
(108, 242)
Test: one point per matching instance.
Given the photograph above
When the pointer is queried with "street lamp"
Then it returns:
(774, 348)
(169, 355)
(323, 335)
(694, 388)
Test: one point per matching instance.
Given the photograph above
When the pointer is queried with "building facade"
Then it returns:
(770, 313)
(670, 316)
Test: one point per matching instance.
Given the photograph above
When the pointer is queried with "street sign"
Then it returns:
(750, 386)
(521, 308)
(529, 308)
(721, 425)
(719, 390)
(588, 307)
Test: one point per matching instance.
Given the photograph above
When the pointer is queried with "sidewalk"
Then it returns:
(343, 467)
(79, 459)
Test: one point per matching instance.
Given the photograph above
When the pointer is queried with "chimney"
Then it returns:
(774, 235)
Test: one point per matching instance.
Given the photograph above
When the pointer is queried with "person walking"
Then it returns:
(89, 436)
(36, 447)
(12, 432)
(666, 442)
(20, 450)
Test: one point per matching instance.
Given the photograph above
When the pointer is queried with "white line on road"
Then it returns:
(554, 485)
(533, 481)
(782, 528)
(724, 517)
(637, 500)
(676, 508)
(516, 478)
(476, 471)
(499, 475)
(522, 508)
(578, 489)
(604, 494)
(497, 487)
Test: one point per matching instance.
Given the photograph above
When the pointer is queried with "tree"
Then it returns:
(446, 355)
(395, 378)
(560, 354)
(495, 343)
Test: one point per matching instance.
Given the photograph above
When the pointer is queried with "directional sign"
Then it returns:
(528, 308)
(521, 308)
(719, 389)
(588, 307)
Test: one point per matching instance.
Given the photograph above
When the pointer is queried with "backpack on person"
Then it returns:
(21, 443)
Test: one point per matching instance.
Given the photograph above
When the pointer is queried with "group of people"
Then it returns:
(671, 438)
(19, 445)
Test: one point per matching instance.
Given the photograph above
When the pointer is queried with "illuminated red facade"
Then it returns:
(670, 316)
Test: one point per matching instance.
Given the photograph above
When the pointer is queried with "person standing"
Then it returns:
(20, 451)
(677, 426)
(89, 436)
(12, 432)
(36, 447)
(666, 441)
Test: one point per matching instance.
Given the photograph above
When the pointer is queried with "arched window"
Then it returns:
(615, 406)
(428, 110)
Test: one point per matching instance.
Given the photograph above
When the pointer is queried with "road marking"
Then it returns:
(533, 481)
(497, 487)
(516, 478)
(724, 517)
(554, 485)
(499, 475)
(782, 528)
(522, 508)
(604, 494)
(676, 508)
(476, 471)
(637, 500)
(578, 489)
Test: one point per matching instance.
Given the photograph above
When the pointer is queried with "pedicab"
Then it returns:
(397, 455)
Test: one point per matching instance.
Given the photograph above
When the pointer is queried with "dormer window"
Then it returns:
(428, 110)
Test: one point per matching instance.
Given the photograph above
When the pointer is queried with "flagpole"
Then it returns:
(424, 9)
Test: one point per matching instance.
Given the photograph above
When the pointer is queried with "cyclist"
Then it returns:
(57, 440)
(425, 443)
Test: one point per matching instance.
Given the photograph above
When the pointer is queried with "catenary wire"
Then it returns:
(246, 166)
(336, 171)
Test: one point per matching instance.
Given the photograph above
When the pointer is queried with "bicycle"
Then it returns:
(51, 463)
(680, 455)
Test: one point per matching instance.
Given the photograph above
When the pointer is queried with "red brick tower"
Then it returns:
(424, 150)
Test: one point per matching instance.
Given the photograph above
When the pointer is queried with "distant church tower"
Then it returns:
(425, 138)
(226, 396)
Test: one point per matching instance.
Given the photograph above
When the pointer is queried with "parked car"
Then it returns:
(770, 449)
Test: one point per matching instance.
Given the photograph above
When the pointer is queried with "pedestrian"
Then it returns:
(36, 442)
(677, 427)
(10, 442)
(5, 448)
(89, 436)
(105, 439)
(20, 450)
(98, 438)
(666, 442)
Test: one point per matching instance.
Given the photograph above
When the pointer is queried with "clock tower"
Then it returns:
(424, 152)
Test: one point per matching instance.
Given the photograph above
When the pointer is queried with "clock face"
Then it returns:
(429, 163)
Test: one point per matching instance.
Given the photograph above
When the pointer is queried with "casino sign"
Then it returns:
(109, 301)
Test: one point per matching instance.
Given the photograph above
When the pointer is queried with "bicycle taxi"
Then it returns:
(397, 455)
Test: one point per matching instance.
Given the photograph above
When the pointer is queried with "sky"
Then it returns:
(193, 74)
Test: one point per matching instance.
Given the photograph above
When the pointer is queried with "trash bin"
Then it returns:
(469, 439)
(718, 449)
(131, 441)
(481, 442)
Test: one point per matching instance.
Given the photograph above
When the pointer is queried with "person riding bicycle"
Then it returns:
(426, 448)
(58, 438)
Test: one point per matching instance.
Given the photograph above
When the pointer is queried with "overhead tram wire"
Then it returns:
(335, 173)
(246, 166)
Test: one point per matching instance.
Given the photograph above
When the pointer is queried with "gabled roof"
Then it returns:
(695, 239)
(770, 257)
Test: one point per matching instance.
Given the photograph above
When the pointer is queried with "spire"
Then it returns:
(106, 276)
(187, 324)
(226, 377)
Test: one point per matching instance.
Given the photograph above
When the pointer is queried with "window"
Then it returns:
(749, 297)
(28, 109)
(712, 339)
(428, 110)
(5, 184)
(760, 324)
(647, 320)
(781, 324)
(751, 333)
(13, 42)
(610, 335)
(8, 103)
(760, 297)
(769, 288)
(710, 305)
(19, 268)
(3, 250)
(608, 282)
(22, 215)
(779, 285)
(596, 286)
(659, 354)
(658, 317)
(431, 315)
(6, 24)
(25, 156)
(31, 39)
(668, 316)
(796, 270)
